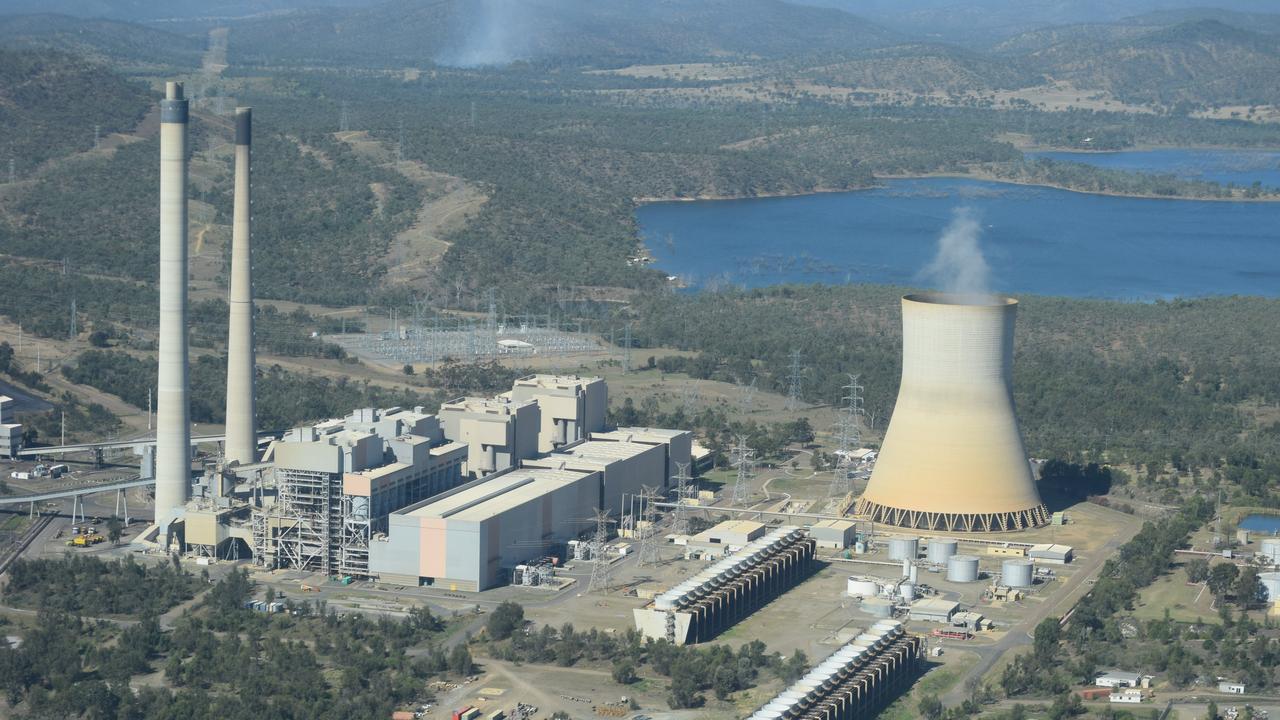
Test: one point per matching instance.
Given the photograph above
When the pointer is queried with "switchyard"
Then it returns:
(703, 606)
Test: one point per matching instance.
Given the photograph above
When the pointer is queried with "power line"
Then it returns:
(601, 569)
(647, 530)
(680, 516)
(795, 376)
(744, 459)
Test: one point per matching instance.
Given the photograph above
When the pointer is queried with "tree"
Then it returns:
(505, 620)
(1248, 588)
(408, 369)
(460, 662)
(624, 672)
(1212, 714)
(1197, 570)
(114, 530)
(1047, 635)
(930, 707)
(1222, 578)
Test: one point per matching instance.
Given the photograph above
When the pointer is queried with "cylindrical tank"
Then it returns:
(1271, 548)
(859, 548)
(877, 607)
(952, 457)
(1270, 584)
(904, 548)
(912, 572)
(862, 587)
(908, 591)
(940, 549)
(1016, 572)
(962, 568)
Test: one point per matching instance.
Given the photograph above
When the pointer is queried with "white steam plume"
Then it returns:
(495, 32)
(959, 267)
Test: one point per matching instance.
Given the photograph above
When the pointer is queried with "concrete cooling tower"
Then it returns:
(952, 458)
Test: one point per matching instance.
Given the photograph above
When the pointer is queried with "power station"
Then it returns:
(952, 458)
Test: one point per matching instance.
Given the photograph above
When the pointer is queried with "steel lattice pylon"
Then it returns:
(744, 459)
(647, 530)
(601, 569)
(680, 516)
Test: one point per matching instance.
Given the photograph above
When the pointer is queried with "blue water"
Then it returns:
(1269, 524)
(1242, 167)
(1036, 240)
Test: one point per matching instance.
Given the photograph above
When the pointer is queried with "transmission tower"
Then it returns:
(400, 143)
(626, 351)
(744, 459)
(746, 396)
(648, 528)
(344, 119)
(97, 136)
(680, 517)
(692, 394)
(794, 376)
(13, 171)
(848, 437)
(601, 569)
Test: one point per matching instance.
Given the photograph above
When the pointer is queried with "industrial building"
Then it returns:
(952, 458)
(1051, 553)
(728, 591)
(934, 610)
(472, 537)
(337, 481)
(676, 444)
(572, 407)
(10, 433)
(625, 468)
(725, 537)
(856, 681)
(837, 534)
(498, 432)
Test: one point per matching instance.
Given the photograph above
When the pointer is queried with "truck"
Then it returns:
(57, 471)
(85, 540)
(20, 475)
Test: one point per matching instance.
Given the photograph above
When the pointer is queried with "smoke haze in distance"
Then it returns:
(494, 32)
(959, 266)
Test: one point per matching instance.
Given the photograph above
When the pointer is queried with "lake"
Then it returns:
(1036, 240)
(1242, 167)
(1266, 524)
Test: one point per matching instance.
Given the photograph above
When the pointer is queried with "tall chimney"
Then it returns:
(173, 427)
(242, 437)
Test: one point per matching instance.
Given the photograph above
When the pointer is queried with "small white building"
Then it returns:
(1132, 697)
(1117, 679)
(1231, 688)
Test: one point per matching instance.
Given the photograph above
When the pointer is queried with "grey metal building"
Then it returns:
(338, 480)
(572, 407)
(498, 432)
(470, 538)
(676, 444)
(625, 468)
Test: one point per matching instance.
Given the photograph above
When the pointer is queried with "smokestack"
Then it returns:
(242, 438)
(173, 428)
(952, 458)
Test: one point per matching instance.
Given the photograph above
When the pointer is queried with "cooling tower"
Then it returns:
(952, 458)
(242, 439)
(173, 429)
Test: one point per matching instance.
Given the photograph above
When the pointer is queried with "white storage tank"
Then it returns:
(908, 591)
(1271, 548)
(962, 568)
(1017, 573)
(904, 548)
(941, 549)
(1270, 584)
(862, 587)
(878, 607)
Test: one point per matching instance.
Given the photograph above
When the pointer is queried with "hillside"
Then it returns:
(1199, 63)
(102, 40)
(925, 68)
(579, 32)
(50, 103)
